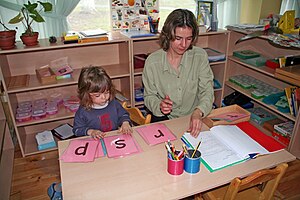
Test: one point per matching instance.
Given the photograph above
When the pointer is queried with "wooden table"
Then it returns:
(145, 176)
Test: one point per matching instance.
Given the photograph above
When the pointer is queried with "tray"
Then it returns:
(45, 75)
(232, 114)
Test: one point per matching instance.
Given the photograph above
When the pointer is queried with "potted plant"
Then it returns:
(29, 13)
(7, 37)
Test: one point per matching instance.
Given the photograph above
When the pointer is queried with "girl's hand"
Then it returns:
(195, 123)
(166, 105)
(125, 128)
(96, 134)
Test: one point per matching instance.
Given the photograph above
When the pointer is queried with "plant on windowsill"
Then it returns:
(7, 37)
(29, 13)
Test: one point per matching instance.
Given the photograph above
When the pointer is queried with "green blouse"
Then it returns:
(191, 88)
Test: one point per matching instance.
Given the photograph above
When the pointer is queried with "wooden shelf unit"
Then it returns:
(236, 67)
(215, 40)
(113, 55)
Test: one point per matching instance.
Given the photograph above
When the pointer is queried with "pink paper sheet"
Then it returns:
(121, 145)
(155, 133)
(82, 150)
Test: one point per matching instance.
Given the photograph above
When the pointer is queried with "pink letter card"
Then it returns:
(120, 145)
(155, 133)
(84, 150)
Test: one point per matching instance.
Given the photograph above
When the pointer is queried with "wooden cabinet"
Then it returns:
(215, 40)
(6, 157)
(113, 55)
(236, 67)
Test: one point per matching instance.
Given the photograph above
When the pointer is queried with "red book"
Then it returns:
(264, 140)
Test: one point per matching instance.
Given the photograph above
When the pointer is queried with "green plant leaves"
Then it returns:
(16, 19)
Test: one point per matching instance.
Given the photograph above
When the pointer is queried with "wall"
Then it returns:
(254, 10)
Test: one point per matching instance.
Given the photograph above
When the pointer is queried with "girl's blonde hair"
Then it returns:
(93, 79)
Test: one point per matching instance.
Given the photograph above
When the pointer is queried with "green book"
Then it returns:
(245, 54)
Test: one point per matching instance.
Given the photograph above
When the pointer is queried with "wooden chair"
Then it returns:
(260, 185)
(136, 115)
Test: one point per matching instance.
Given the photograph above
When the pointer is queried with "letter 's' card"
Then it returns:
(120, 145)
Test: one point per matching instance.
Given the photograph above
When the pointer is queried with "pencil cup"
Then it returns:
(192, 165)
(153, 27)
(175, 167)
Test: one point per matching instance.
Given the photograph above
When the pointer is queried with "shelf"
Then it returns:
(62, 114)
(248, 94)
(114, 71)
(264, 69)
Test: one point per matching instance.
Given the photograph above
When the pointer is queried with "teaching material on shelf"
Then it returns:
(121, 145)
(45, 140)
(291, 98)
(18, 81)
(83, 150)
(257, 61)
(45, 75)
(139, 60)
(93, 33)
(285, 128)
(155, 133)
(137, 33)
(61, 66)
(71, 36)
(231, 114)
(273, 63)
(93, 39)
(289, 74)
(260, 115)
(269, 125)
(224, 145)
(214, 55)
(245, 54)
(63, 131)
(121, 97)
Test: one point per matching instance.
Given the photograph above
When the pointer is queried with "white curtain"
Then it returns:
(290, 5)
(56, 21)
(228, 12)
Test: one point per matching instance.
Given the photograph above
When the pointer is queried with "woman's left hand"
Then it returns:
(195, 123)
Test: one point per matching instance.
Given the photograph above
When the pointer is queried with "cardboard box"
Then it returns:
(232, 114)
(45, 75)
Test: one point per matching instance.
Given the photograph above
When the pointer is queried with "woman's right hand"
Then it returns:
(166, 105)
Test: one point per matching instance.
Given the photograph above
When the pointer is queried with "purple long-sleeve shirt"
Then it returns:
(106, 119)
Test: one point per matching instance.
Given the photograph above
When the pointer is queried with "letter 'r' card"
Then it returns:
(120, 145)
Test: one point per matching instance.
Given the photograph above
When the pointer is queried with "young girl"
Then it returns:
(99, 111)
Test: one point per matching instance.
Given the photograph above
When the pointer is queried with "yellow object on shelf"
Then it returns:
(287, 23)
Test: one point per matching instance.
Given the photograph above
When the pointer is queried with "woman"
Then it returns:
(178, 80)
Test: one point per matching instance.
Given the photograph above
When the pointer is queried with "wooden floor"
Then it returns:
(33, 174)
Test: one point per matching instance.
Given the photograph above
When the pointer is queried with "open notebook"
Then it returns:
(224, 145)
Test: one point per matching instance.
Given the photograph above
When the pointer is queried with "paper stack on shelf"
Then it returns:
(214, 55)
(92, 36)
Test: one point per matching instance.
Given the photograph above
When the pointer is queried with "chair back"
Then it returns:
(136, 115)
(267, 178)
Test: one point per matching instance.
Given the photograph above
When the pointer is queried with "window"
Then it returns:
(94, 14)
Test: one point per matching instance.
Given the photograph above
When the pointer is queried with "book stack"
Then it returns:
(283, 132)
(92, 36)
(293, 98)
